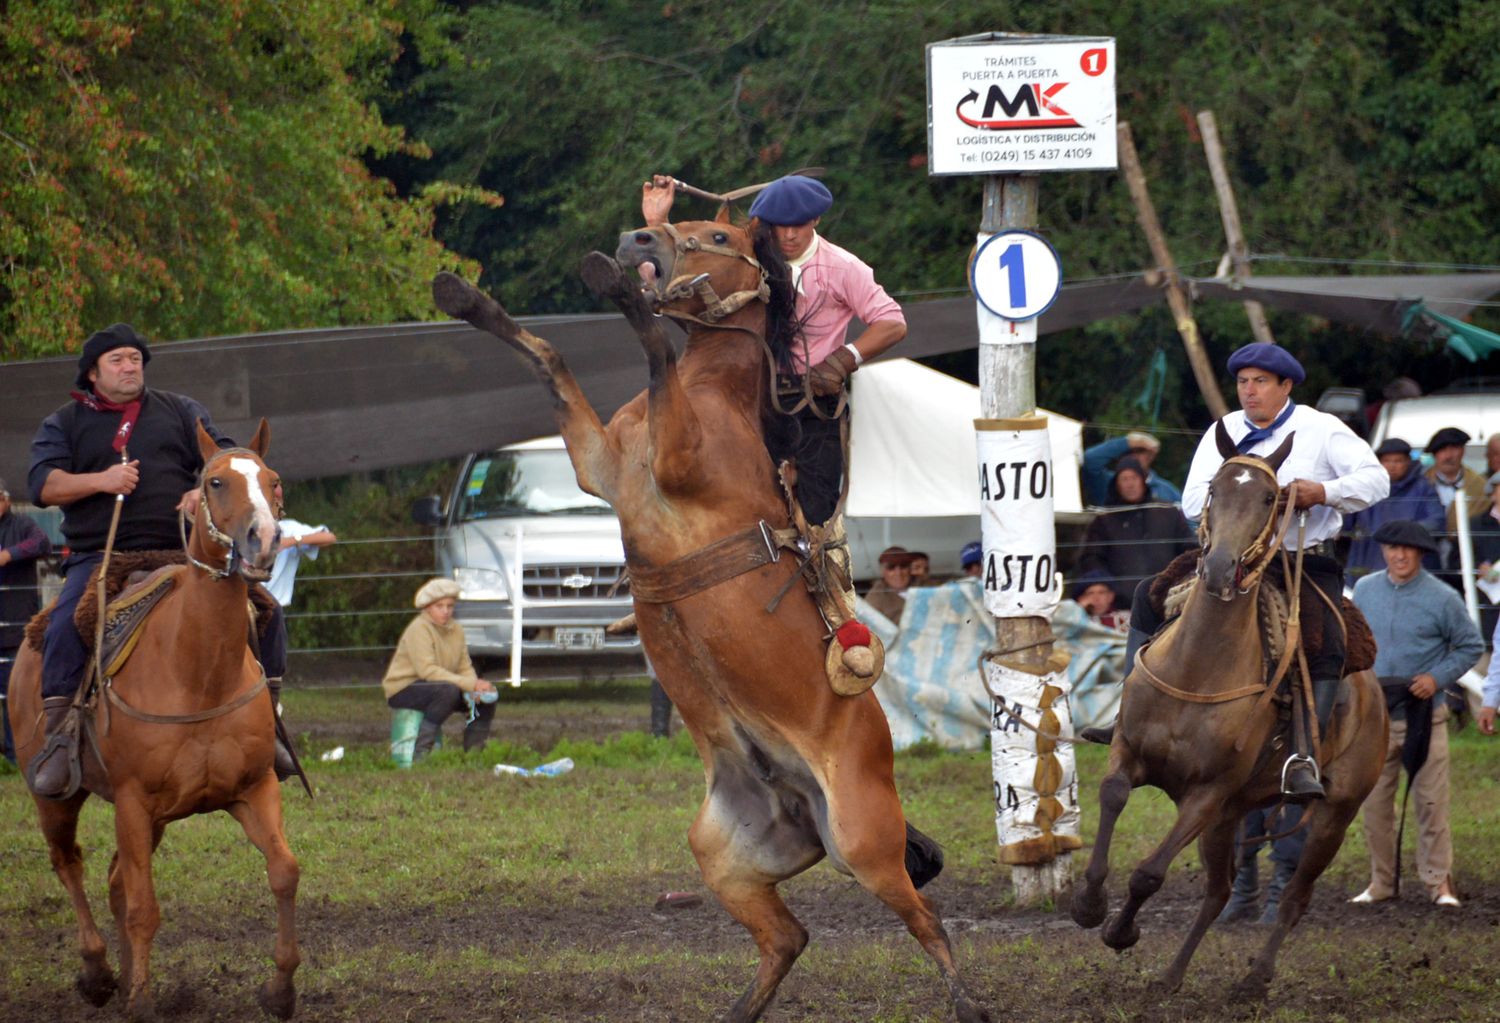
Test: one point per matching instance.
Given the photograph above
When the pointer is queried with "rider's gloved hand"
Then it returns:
(828, 376)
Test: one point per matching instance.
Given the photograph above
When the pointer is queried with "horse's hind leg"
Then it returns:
(1216, 850)
(59, 823)
(1090, 901)
(260, 815)
(1326, 829)
(1193, 815)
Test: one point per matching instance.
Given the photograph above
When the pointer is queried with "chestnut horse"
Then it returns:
(794, 772)
(184, 727)
(1213, 745)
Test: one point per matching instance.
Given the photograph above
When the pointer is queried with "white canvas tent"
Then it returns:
(914, 476)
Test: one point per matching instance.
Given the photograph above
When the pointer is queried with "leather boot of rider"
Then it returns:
(285, 766)
(1301, 781)
(55, 773)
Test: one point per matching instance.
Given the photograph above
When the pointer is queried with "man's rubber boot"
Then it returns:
(477, 732)
(1244, 897)
(1284, 872)
(1102, 734)
(661, 711)
(55, 772)
(286, 767)
(427, 737)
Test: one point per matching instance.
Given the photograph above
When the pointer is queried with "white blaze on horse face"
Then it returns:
(1244, 477)
(265, 522)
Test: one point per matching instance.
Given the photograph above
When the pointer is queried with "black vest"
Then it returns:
(166, 444)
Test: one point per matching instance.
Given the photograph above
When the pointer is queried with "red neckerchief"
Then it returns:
(131, 411)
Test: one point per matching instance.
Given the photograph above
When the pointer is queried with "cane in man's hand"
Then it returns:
(109, 546)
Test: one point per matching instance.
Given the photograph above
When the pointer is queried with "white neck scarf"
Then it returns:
(801, 261)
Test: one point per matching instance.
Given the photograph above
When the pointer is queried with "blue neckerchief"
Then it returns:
(1260, 433)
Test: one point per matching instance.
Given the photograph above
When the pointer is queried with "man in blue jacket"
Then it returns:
(1097, 469)
(1412, 499)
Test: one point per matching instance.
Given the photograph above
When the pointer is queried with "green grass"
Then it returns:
(445, 892)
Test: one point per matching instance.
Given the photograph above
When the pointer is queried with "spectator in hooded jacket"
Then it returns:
(1412, 499)
(1132, 538)
(1144, 448)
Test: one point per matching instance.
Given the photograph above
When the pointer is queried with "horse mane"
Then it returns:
(783, 328)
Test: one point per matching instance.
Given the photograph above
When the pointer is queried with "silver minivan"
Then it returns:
(517, 513)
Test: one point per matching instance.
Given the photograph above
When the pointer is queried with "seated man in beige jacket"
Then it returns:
(431, 671)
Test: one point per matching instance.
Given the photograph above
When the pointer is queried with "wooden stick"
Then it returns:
(1135, 178)
(1229, 212)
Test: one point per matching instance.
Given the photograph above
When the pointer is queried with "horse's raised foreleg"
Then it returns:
(259, 813)
(1193, 815)
(136, 836)
(1090, 900)
(59, 823)
(676, 434)
(594, 461)
(1216, 850)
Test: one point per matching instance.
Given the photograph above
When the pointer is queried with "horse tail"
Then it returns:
(924, 857)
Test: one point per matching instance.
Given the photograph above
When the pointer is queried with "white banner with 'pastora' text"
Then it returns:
(1015, 500)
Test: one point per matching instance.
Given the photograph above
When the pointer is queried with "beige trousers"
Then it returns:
(1429, 797)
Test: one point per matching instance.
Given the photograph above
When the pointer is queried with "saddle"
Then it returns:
(1172, 586)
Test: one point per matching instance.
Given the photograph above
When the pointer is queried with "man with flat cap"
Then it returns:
(116, 437)
(1332, 473)
(833, 287)
(1449, 475)
(1425, 641)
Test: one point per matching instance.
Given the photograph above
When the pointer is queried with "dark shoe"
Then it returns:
(427, 737)
(1102, 734)
(477, 732)
(661, 711)
(1244, 897)
(1300, 782)
(286, 765)
(1134, 640)
(1284, 872)
(1325, 696)
(55, 773)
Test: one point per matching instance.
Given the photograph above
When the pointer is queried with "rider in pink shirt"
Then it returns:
(833, 287)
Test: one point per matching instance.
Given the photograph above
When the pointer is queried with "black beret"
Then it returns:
(1447, 437)
(1393, 446)
(1405, 533)
(116, 335)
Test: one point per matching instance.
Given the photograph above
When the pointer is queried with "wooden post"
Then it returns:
(1229, 212)
(1187, 327)
(1007, 390)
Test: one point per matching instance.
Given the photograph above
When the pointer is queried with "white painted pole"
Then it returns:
(517, 598)
(1466, 552)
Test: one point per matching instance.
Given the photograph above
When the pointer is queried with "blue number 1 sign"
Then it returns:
(1016, 274)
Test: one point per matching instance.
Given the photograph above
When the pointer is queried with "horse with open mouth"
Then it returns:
(794, 771)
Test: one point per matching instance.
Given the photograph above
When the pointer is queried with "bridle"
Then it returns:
(233, 559)
(1262, 550)
(685, 287)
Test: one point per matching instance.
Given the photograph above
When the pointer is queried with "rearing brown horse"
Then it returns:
(1184, 741)
(794, 772)
(185, 727)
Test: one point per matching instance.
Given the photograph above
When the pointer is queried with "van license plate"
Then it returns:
(579, 639)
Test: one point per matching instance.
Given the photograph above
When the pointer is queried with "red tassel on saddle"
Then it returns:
(852, 634)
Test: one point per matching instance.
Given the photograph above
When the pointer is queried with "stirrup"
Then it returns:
(1317, 778)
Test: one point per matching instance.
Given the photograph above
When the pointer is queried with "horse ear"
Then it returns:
(1275, 458)
(262, 439)
(1221, 437)
(723, 215)
(207, 446)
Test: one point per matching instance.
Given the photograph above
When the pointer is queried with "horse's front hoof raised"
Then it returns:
(1090, 907)
(95, 984)
(278, 1002)
(603, 276)
(1120, 935)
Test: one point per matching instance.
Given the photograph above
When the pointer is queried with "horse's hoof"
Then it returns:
(967, 1012)
(96, 985)
(1120, 935)
(1090, 907)
(141, 1009)
(1253, 989)
(603, 276)
(454, 295)
(280, 1003)
(1164, 986)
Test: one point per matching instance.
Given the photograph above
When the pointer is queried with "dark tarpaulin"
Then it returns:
(354, 398)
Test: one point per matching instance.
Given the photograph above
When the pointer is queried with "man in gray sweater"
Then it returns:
(1426, 641)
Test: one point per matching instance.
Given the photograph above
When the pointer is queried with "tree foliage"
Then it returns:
(199, 169)
(1356, 131)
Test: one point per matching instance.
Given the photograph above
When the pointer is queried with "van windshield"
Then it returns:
(505, 484)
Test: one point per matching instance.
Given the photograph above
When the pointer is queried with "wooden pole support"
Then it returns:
(1229, 212)
(1187, 327)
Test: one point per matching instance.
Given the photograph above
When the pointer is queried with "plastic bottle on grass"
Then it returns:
(503, 769)
(556, 767)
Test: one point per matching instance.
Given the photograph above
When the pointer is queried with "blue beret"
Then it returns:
(794, 199)
(972, 554)
(1269, 357)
